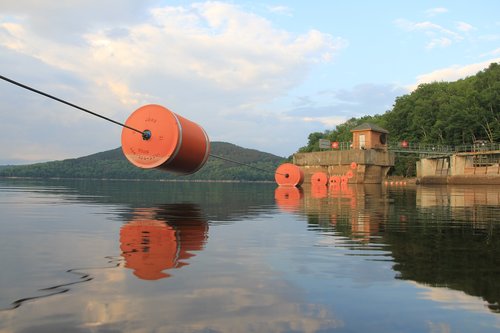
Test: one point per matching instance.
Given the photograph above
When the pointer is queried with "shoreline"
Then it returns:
(142, 180)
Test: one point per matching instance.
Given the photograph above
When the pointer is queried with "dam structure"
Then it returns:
(366, 160)
(476, 165)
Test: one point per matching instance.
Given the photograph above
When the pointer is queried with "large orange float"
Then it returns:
(168, 141)
(289, 174)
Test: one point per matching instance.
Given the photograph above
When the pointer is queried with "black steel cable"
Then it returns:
(244, 164)
(68, 103)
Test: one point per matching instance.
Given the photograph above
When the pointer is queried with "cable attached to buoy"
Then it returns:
(247, 165)
(146, 135)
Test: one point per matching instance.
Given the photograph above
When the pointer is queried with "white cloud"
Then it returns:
(489, 38)
(326, 122)
(427, 27)
(280, 9)
(465, 27)
(493, 53)
(436, 11)
(452, 73)
(330, 108)
(453, 299)
(439, 42)
(438, 35)
(211, 62)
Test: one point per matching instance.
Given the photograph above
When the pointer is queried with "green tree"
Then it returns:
(447, 113)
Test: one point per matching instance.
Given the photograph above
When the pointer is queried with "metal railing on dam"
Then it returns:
(426, 149)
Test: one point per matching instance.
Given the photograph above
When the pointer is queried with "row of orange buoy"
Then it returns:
(395, 183)
(173, 143)
(289, 174)
(321, 178)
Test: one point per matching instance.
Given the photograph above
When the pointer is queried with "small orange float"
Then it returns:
(349, 174)
(319, 178)
(354, 165)
(289, 174)
(334, 180)
(168, 141)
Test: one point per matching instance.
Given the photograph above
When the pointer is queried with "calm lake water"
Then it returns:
(109, 256)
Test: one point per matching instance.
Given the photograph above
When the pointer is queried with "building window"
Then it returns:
(362, 141)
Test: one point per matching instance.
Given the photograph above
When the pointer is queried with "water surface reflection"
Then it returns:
(162, 238)
(249, 257)
(437, 236)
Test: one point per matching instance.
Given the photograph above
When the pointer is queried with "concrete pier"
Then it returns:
(367, 166)
(461, 168)
(367, 162)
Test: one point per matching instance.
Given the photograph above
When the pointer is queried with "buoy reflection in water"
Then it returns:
(162, 238)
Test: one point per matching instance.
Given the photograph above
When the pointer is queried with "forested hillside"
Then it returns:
(112, 164)
(445, 113)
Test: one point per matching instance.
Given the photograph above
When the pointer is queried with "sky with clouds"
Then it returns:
(262, 75)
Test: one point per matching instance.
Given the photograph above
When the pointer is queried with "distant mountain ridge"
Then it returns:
(112, 164)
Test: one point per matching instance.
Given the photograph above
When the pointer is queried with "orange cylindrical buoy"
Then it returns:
(175, 144)
(289, 174)
(334, 180)
(319, 178)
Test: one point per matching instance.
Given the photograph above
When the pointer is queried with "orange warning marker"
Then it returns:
(289, 174)
(334, 180)
(319, 178)
(169, 141)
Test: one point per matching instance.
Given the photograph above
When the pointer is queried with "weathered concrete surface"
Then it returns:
(475, 179)
(345, 157)
(457, 169)
(460, 180)
(371, 165)
(433, 180)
